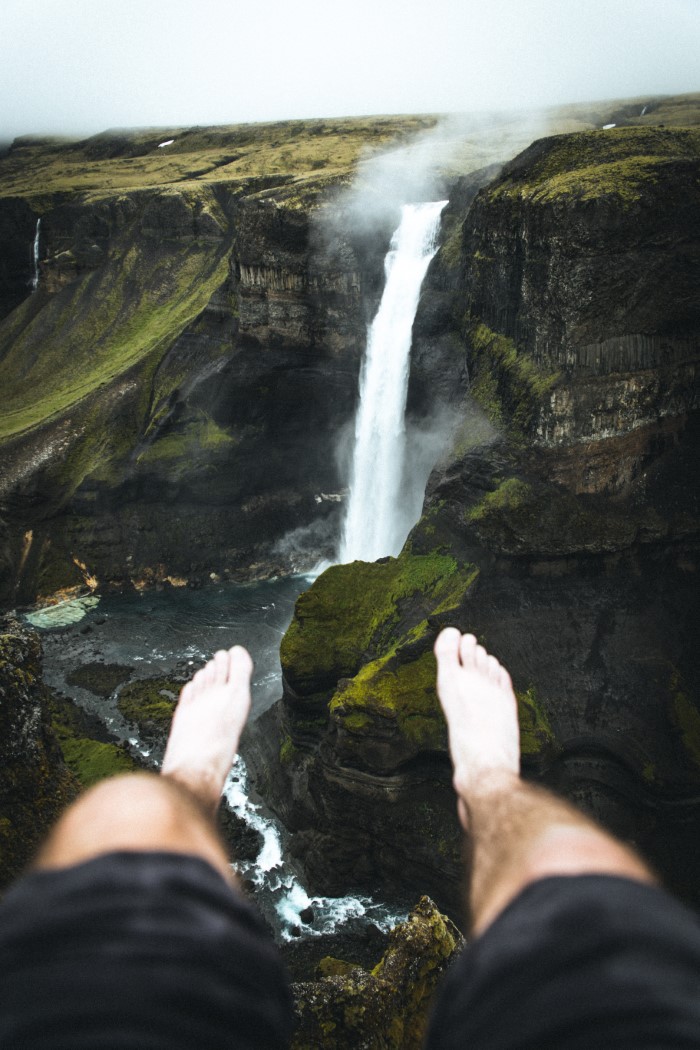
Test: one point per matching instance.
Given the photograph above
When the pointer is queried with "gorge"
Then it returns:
(178, 382)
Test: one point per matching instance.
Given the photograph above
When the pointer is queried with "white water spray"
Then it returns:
(373, 524)
(35, 257)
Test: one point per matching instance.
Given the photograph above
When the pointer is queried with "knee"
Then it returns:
(131, 811)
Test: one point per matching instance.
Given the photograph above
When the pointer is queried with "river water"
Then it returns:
(173, 632)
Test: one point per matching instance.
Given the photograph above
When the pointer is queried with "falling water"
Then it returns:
(373, 525)
(35, 257)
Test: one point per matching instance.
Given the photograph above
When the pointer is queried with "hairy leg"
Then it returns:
(518, 832)
(173, 811)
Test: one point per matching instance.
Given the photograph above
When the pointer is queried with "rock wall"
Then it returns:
(174, 386)
(563, 529)
(35, 783)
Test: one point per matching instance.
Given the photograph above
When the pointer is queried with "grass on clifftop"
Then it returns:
(315, 150)
(588, 165)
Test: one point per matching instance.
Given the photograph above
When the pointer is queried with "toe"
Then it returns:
(240, 664)
(220, 667)
(467, 646)
(480, 658)
(493, 668)
(446, 646)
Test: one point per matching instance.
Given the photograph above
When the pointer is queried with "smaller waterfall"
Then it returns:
(373, 524)
(35, 257)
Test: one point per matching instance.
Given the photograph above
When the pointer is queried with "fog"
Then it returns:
(81, 66)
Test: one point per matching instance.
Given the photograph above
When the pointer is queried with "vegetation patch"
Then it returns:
(536, 734)
(686, 717)
(85, 744)
(102, 324)
(202, 437)
(354, 612)
(508, 385)
(510, 494)
(620, 162)
(150, 703)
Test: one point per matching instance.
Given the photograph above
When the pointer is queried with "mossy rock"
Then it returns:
(387, 1008)
(86, 744)
(506, 382)
(619, 163)
(354, 612)
(98, 678)
(389, 712)
(537, 739)
(149, 704)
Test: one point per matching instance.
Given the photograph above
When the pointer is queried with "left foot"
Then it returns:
(207, 725)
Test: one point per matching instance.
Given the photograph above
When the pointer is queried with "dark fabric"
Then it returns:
(588, 962)
(140, 950)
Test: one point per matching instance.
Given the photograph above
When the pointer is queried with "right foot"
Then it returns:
(481, 711)
(207, 725)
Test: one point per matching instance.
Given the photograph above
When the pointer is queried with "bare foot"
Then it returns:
(207, 725)
(481, 711)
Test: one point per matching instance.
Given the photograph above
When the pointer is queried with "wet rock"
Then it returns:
(386, 1008)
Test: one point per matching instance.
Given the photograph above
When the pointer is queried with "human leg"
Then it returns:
(519, 832)
(575, 947)
(172, 811)
(125, 933)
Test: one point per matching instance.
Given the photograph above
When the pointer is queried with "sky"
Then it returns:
(77, 67)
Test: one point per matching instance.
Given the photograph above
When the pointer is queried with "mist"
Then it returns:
(81, 66)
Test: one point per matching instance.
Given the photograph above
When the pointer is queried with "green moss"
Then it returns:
(507, 383)
(287, 750)
(510, 494)
(202, 436)
(687, 718)
(536, 734)
(402, 693)
(621, 163)
(150, 701)
(451, 249)
(354, 610)
(87, 758)
(102, 325)
(91, 760)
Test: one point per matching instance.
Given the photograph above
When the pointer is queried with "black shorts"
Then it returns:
(140, 950)
(587, 962)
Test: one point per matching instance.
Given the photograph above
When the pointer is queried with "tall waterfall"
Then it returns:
(373, 524)
(35, 257)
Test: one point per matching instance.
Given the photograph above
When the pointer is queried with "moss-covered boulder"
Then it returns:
(149, 703)
(386, 1008)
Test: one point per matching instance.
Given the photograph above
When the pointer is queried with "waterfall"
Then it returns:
(35, 257)
(374, 526)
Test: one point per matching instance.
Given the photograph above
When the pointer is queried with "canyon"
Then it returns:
(178, 383)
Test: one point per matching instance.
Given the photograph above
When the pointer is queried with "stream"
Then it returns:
(172, 632)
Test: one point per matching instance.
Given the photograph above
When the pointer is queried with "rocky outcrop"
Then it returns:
(386, 1008)
(35, 784)
(563, 529)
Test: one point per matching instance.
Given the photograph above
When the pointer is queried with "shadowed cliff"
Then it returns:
(562, 529)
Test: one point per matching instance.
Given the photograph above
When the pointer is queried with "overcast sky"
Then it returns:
(81, 66)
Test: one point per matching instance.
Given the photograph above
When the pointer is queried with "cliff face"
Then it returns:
(35, 782)
(173, 386)
(563, 530)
